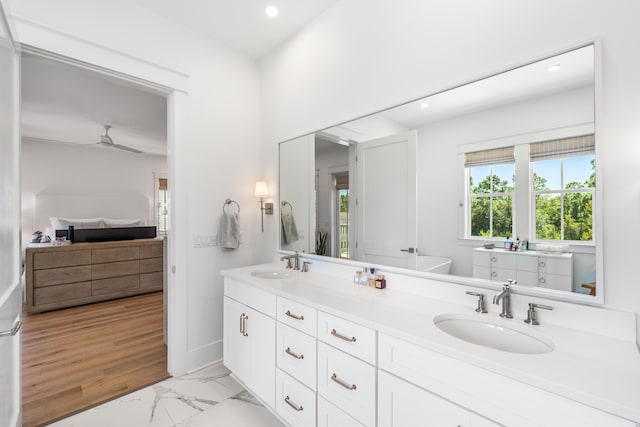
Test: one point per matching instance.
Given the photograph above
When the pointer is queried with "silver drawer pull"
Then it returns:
(293, 354)
(11, 332)
(242, 323)
(293, 405)
(542, 280)
(343, 383)
(244, 326)
(342, 337)
(294, 316)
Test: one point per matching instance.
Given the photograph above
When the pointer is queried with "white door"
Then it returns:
(386, 200)
(10, 289)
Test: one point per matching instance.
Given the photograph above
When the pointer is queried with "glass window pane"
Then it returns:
(504, 179)
(502, 216)
(548, 216)
(480, 179)
(480, 216)
(546, 175)
(578, 220)
(579, 172)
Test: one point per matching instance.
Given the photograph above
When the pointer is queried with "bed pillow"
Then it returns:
(80, 223)
(137, 222)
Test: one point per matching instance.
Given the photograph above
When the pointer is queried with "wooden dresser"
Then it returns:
(82, 273)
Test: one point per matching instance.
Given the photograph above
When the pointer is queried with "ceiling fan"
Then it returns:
(106, 141)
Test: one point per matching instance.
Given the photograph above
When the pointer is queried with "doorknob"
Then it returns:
(410, 250)
(13, 331)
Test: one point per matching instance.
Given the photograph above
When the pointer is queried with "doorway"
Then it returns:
(82, 355)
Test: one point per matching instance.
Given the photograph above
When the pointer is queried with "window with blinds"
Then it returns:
(490, 192)
(563, 186)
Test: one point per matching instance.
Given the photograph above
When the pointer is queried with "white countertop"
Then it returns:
(598, 371)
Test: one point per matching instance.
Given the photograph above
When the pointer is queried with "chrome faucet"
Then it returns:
(295, 257)
(505, 297)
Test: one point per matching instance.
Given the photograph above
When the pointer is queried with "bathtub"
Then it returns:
(433, 264)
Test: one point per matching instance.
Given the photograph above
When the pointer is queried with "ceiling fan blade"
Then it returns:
(123, 147)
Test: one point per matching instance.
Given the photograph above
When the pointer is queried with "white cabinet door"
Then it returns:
(330, 415)
(249, 348)
(401, 404)
(261, 332)
(294, 402)
(236, 348)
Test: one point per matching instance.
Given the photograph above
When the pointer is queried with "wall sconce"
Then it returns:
(265, 208)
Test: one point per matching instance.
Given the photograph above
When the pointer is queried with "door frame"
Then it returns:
(173, 86)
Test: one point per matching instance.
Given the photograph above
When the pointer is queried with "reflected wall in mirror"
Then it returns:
(506, 161)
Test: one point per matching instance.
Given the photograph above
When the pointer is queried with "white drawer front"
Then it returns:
(527, 278)
(482, 272)
(350, 337)
(502, 274)
(294, 402)
(348, 383)
(297, 315)
(502, 399)
(296, 354)
(554, 281)
(481, 258)
(527, 263)
(330, 415)
(504, 260)
(555, 265)
(258, 299)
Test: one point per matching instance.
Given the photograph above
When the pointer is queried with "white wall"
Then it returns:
(50, 168)
(214, 143)
(362, 56)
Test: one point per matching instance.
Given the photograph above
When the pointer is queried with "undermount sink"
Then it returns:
(493, 334)
(272, 274)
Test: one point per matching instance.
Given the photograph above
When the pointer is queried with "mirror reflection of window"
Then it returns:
(161, 205)
(341, 222)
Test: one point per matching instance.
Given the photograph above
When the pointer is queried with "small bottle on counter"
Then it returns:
(357, 278)
(371, 279)
(380, 282)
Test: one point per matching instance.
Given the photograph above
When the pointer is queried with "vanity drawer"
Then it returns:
(294, 402)
(482, 258)
(527, 263)
(555, 265)
(296, 354)
(258, 299)
(483, 392)
(330, 415)
(555, 281)
(299, 316)
(348, 383)
(350, 337)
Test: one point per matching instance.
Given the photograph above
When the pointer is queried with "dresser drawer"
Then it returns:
(58, 276)
(151, 280)
(348, 383)
(329, 415)
(61, 259)
(116, 284)
(296, 354)
(59, 293)
(151, 251)
(114, 254)
(151, 265)
(350, 337)
(294, 402)
(114, 269)
(299, 316)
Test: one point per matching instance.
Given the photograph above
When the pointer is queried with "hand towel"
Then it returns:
(289, 229)
(229, 234)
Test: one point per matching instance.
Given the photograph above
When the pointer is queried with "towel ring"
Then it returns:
(228, 202)
(285, 203)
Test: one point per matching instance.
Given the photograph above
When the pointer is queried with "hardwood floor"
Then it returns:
(79, 357)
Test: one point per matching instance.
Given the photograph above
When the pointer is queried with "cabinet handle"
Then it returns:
(294, 354)
(293, 405)
(13, 331)
(244, 326)
(342, 337)
(294, 316)
(542, 264)
(343, 383)
(542, 280)
(242, 323)
(494, 274)
(494, 259)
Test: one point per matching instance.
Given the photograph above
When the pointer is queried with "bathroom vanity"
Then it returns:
(320, 350)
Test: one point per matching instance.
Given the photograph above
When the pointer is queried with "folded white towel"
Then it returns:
(289, 229)
(229, 234)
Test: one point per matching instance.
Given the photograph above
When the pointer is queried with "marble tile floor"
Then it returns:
(208, 397)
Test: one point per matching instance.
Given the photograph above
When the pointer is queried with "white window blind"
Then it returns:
(561, 148)
(489, 157)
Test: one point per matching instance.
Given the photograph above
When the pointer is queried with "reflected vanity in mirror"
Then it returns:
(508, 161)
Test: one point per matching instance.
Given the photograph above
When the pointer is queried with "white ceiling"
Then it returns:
(67, 104)
(241, 24)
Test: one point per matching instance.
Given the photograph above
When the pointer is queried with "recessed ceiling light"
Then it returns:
(553, 68)
(424, 105)
(271, 11)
